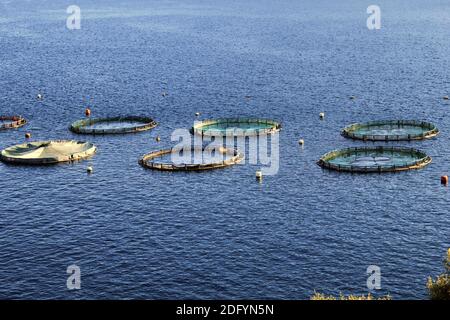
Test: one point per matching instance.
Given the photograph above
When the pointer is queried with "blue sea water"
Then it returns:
(141, 234)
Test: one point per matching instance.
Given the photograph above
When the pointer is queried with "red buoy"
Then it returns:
(87, 112)
(444, 180)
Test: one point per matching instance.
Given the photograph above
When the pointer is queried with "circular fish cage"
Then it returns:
(48, 152)
(235, 127)
(391, 130)
(150, 160)
(11, 122)
(115, 125)
(374, 159)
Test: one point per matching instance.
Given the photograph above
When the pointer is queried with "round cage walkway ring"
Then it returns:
(11, 122)
(115, 125)
(374, 159)
(48, 152)
(149, 160)
(391, 130)
(235, 127)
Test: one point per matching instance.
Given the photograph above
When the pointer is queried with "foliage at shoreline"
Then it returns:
(321, 296)
(439, 289)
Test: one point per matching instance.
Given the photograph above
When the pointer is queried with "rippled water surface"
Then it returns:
(228, 128)
(138, 233)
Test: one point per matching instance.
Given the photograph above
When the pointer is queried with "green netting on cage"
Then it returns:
(391, 130)
(115, 125)
(11, 122)
(48, 152)
(236, 127)
(374, 159)
(191, 159)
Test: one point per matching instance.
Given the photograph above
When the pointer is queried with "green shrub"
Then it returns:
(439, 289)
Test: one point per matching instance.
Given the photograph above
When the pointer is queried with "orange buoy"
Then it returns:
(87, 112)
(27, 135)
(444, 180)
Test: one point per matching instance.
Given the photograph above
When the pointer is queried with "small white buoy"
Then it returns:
(39, 96)
(445, 98)
(322, 115)
(352, 97)
(301, 142)
(90, 169)
(164, 94)
(158, 139)
(197, 114)
(259, 175)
